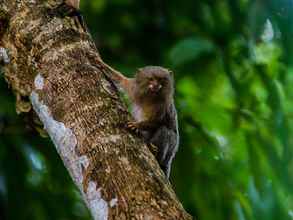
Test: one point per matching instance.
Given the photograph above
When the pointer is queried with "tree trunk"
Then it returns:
(55, 63)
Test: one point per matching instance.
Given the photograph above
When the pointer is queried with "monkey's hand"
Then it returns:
(133, 126)
(137, 127)
(140, 126)
(67, 10)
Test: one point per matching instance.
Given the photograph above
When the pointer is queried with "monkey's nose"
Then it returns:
(155, 87)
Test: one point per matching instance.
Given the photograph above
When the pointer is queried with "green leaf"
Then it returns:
(189, 49)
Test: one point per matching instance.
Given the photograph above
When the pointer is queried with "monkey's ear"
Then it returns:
(171, 72)
(137, 72)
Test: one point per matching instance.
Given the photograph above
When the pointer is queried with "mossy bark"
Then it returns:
(55, 64)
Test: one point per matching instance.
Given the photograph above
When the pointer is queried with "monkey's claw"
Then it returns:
(153, 148)
(133, 127)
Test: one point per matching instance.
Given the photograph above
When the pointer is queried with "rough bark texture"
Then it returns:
(55, 63)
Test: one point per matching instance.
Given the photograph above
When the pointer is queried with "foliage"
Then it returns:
(233, 67)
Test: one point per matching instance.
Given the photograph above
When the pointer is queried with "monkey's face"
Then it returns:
(155, 82)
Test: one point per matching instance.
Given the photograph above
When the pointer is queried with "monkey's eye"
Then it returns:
(163, 80)
(151, 79)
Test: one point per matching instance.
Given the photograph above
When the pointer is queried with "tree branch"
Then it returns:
(55, 63)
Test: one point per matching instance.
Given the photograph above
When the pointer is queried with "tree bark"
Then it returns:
(55, 63)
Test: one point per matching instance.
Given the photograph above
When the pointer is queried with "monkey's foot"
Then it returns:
(153, 148)
(133, 127)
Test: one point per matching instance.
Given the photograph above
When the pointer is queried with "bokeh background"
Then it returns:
(232, 61)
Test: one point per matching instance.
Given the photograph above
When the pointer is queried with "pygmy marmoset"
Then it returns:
(151, 94)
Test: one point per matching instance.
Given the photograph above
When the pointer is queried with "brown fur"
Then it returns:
(151, 94)
(154, 104)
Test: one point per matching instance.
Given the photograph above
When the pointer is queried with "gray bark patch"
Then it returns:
(39, 82)
(4, 58)
(65, 142)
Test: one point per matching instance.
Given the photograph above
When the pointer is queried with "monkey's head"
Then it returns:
(154, 82)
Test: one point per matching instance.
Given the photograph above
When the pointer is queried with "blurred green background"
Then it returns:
(232, 62)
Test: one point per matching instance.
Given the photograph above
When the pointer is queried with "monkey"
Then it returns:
(153, 109)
